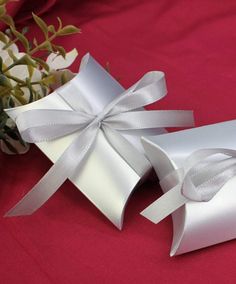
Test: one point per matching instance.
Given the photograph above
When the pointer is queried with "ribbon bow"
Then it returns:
(204, 173)
(121, 114)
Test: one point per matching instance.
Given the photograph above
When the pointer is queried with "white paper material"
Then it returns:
(106, 179)
(197, 224)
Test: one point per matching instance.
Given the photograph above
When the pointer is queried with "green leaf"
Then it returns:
(38, 96)
(2, 10)
(3, 37)
(60, 50)
(29, 61)
(68, 30)
(31, 98)
(22, 38)
(64, 78)
(30, 70)
(42, 63)
(18, 91)
(60, 23)
(46, 46)
(44, 90)
(43, 26)
(8, 20)
(2, 2)
(12, 55)
(26, 60)
(4, 81)
(51, 29)
(48, 80)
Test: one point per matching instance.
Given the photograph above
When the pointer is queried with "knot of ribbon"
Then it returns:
(122, 114)
(203, 174)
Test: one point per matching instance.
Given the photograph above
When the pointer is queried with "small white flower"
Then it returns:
(3, 52)
(55, 62)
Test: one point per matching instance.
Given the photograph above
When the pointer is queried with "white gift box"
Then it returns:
(91, 128)
(196, 224)
(106, 178)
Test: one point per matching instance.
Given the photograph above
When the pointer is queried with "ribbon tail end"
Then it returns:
(16, 212)
(192, 119)
(189, 120)
(165, 205)
(147, 213)
(10, 214)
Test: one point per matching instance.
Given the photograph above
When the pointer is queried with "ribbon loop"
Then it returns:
(204, 177)
(149, 89)
(203, 174)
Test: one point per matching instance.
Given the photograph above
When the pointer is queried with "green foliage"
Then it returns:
(11, 87)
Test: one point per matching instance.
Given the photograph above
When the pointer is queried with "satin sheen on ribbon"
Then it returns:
(197, 224)
(121, 114)
(199, 179)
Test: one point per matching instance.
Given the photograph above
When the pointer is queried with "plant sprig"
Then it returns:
(12, 87)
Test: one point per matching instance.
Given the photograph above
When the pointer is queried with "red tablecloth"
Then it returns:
(69, 240)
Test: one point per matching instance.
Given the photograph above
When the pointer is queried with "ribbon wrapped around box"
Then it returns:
(90, 128)
(197, 174)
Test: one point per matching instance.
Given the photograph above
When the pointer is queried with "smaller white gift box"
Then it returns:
(195, 224)
(90, 128)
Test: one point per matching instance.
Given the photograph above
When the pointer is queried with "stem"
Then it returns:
(31, 83)
(17, 62)
(37, 48)
(12, 65)
(15, 79)
(10, 43)
(21, 82)
(8, 68)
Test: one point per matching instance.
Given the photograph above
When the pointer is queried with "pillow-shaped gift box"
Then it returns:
(106, 177)
(196, 224)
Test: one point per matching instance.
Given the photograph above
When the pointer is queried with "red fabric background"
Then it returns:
(69, 240)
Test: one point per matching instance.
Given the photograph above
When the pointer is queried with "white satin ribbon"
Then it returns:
(204, 173)
(123, 113)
